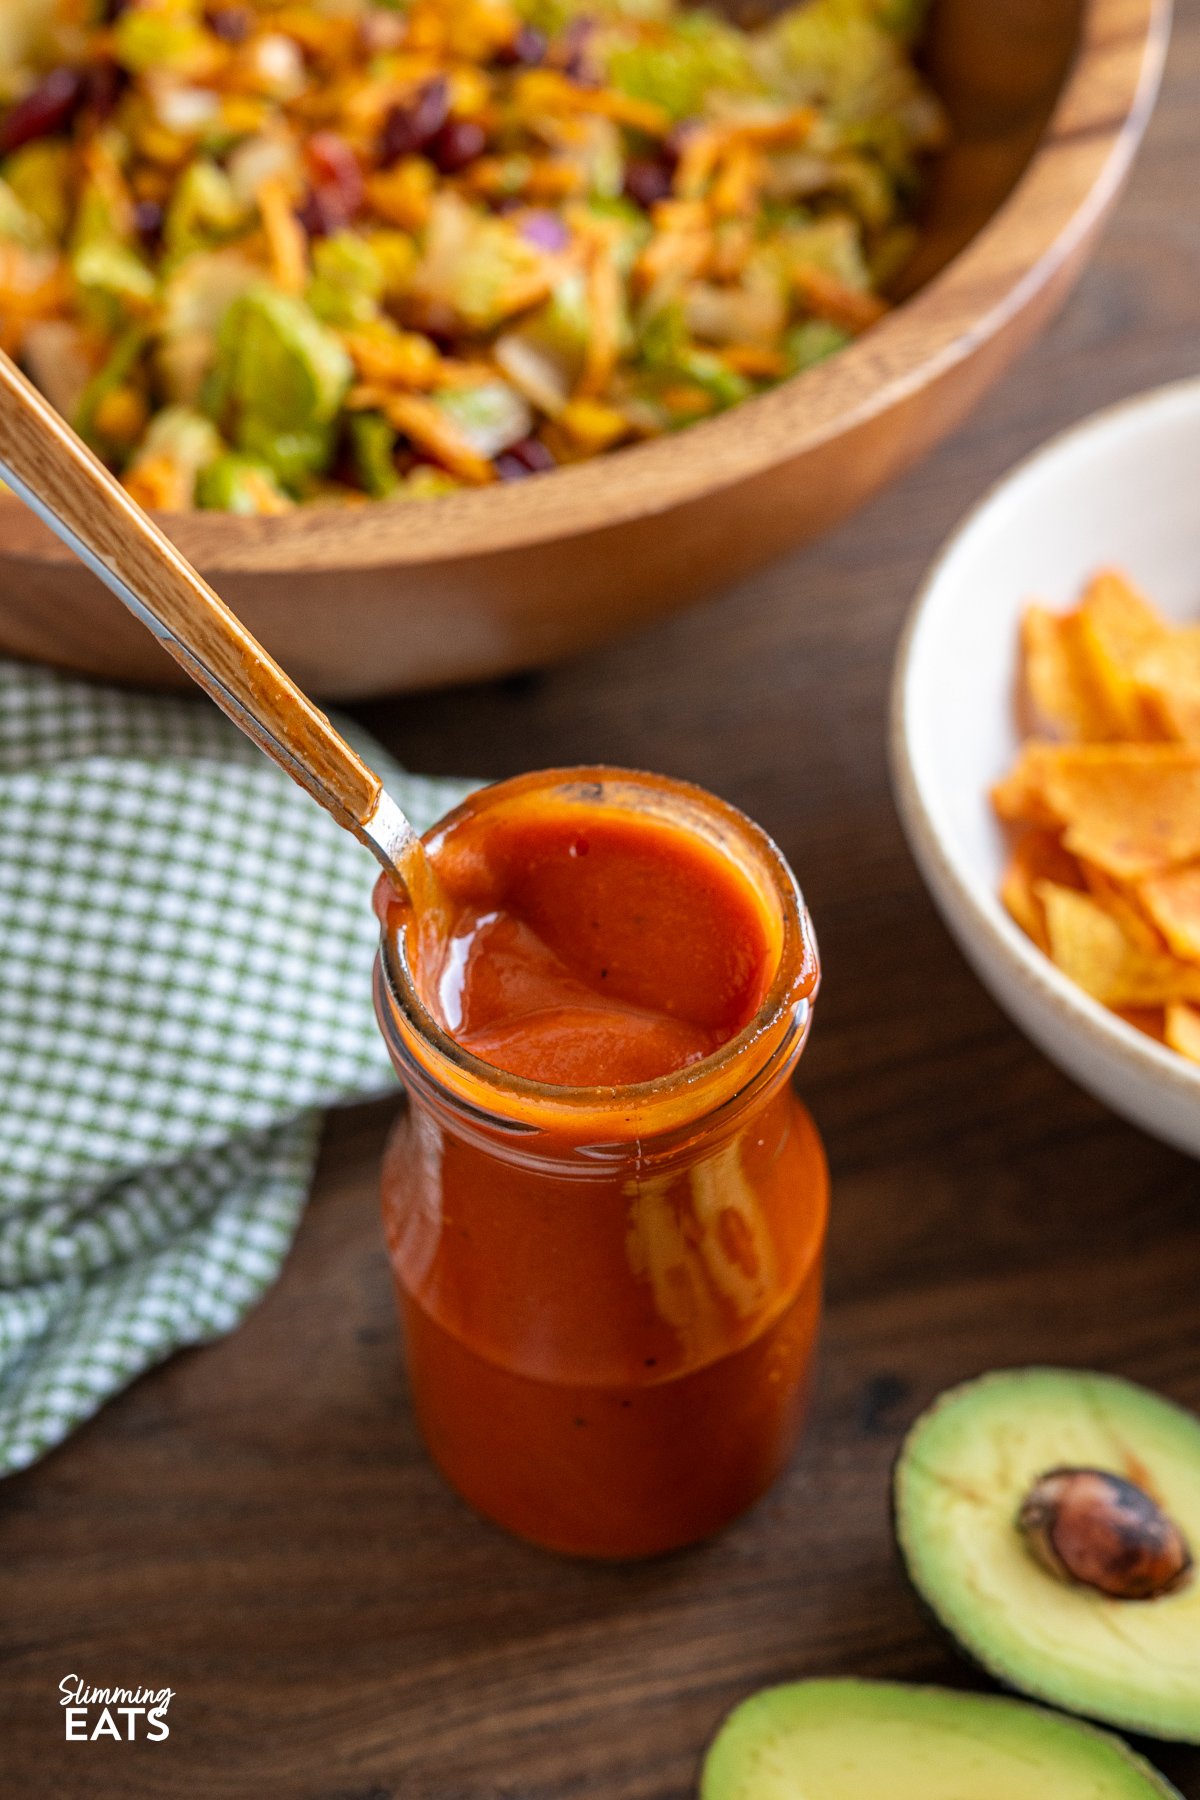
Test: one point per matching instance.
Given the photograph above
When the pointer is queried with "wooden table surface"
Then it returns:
(255, 1525)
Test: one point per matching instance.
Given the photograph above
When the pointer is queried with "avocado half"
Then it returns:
(862, 1740)
(1047, 1519)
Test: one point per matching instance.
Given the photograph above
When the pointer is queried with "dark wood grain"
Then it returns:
(256, 1526)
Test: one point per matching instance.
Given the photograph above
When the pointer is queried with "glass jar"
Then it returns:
(610, 1296)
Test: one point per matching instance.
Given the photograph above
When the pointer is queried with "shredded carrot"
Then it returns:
(403, 195)
(603, 346)
(624, 109)
(832, 299)
(530, 178)
(733, 242)
(701, 148)
(323, 35)
(545, 90)
(686, 397)
(523, 291)
(674, 255)
(287, 244)
(160, 485)
(269, 503)
(33, 286)
(388, 358)
(431, 431)
(755, 361)
(775, 133)
(736, 188)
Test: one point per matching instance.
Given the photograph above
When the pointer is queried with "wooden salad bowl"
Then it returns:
(1048, 100)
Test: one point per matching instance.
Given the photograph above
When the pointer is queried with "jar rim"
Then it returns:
(791, 991)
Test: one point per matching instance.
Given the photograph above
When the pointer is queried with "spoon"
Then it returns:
(50, 468)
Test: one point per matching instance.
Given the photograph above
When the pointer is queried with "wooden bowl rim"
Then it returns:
(945, 322)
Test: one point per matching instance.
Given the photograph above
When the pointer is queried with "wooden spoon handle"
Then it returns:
(55, 473)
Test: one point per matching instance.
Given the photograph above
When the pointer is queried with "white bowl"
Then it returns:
(1118, 490)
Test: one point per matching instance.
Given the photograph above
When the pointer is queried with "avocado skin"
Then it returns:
(1046, 1692)
(725, 1777)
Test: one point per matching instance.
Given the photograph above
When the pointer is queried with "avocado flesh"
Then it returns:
(862, 1740)
(962, 1474)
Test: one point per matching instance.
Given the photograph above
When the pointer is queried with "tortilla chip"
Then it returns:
(1037, 856)
(1132, 809)
(1061, 683)
(1091, 949)
(1123, 901)
(1168, 674)
(1182, 1030)
(1116, 626)
(1122, 619)
(1173, 902)
(1106, 876)
(1020, 798)
(1144, 1018)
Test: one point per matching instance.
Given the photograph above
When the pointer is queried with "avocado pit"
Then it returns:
(1103, 1531)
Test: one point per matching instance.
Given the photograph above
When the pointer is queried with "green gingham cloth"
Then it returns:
(185, 982)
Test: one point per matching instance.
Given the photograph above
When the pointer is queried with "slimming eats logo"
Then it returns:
(93, 1712)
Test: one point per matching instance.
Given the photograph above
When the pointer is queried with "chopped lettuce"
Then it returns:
(850, 57)
(701, 56)
(553, 16)
(348, 280)
(475, 267)
(122, 360)
(39, 174)
(196, 296)
(811, 342)
(543, 355)
(490, 417)
(373, 443)
(18, 225)
(832, 244)
(278, 382)
(184, 440)
(205, 210)
(295, 456)
(668, 353)
(111, 282)
(278, 368)
(163, 39)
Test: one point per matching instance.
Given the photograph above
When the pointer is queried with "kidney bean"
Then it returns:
(647, 181)
(148, 222)
(529, 456)
(104, 83)
(526, 50)
(336, 176)
(409, 128)
(321, 212)
(573, 52)
(50, 106)
(336, 193)
(457, 144)
(232, 24)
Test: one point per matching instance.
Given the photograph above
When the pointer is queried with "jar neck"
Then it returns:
(662, 1122)
(472, 1096)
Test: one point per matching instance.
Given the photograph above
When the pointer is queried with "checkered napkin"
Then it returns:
(185, 957)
